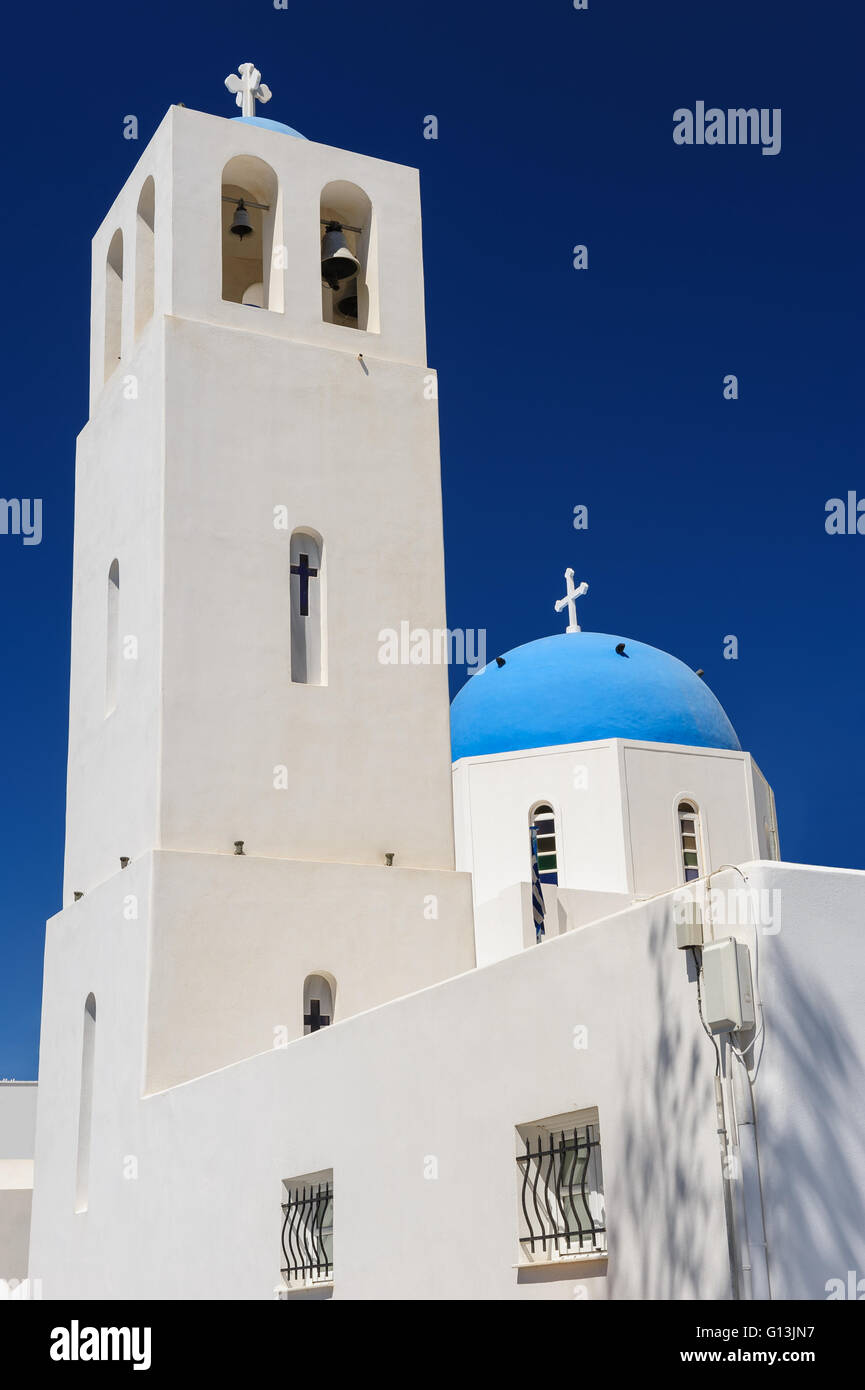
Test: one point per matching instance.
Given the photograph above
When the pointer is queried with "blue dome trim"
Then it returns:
(575, 688)
(264, 124)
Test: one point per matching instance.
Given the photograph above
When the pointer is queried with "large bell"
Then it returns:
(241, 226)
(337, 262)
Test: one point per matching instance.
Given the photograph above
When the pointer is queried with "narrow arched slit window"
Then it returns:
(318, 992)
(144, 255)
(349, 258)
(689, 840)
(542, 835)
(85, 1106)
(308, 625)
(113, 303)
(112, 639)
(253, 258)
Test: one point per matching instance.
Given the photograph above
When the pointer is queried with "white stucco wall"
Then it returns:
(617, 829)
(17, 1146)
(496, 792)
(766, 816)
(449, 1072)
(118, 516)
(155, 162)
(216, 415)
(810, 1084)
(223, 944)
(655, 780)
(505, 924)
(253, 424)
(233, 939)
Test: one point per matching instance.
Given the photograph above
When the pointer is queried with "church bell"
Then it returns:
(348, 306)
(337, 262)
(241, 225)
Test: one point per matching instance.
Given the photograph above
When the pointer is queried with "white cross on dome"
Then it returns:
(569, 600)
(248, 88)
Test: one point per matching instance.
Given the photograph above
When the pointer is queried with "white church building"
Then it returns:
(352, 995)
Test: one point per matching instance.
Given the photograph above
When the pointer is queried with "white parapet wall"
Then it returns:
(415, 1105)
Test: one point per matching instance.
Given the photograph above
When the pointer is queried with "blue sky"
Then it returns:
(557, 387)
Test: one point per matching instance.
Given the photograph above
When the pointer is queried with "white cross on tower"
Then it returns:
(248, 87)
(569, 601)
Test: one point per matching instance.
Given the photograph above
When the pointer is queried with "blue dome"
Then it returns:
(265, 124)
(575, 687)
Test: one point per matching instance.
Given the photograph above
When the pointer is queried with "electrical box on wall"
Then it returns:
(689, 926)
(728, 994)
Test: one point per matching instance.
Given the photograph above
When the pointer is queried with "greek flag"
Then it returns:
(538, 908)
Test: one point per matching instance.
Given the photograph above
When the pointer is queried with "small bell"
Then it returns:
(348, 306)
(241, 226)
(337, 262)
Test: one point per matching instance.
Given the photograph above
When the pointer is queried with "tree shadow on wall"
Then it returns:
(811, 1133)
(810, 1092)
(667, 1207)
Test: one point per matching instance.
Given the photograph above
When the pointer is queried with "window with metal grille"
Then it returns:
(542, 831)
(561, 1188)
(689, 836)
(307, 1230)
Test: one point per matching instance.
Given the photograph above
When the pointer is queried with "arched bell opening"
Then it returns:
(349, 258)
(252, 253)
(144, 255)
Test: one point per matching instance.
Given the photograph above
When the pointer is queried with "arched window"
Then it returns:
(349, 282)
(308, 631)
(542, 838)
(689, 838)
(113, 303)
(318, 993)
(252, 259)
(144, 223)
(85, 1107)
(112, 639)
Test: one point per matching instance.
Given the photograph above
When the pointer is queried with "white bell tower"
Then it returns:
(257, 498)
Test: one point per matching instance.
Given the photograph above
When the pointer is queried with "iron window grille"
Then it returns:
(307, 1233)
(561, 1192)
